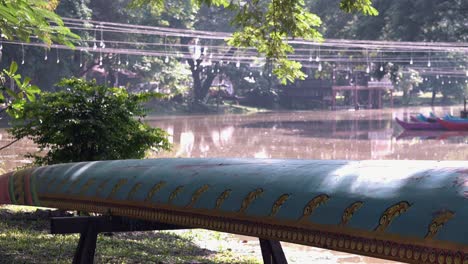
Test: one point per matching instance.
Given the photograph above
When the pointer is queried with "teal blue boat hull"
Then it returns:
(409, 211)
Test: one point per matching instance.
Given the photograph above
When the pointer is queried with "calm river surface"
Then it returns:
(358, 135)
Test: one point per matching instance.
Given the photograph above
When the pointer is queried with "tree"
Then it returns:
(22, 19)
(405, 80)
(89, 122)
(404, 20)
(266, 26)
(15, 99)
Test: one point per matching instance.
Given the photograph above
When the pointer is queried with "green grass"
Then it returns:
(24, 238)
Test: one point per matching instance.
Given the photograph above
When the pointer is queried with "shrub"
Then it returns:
(86, 122)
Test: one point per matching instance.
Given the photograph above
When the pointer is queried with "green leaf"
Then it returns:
(12, 94)
(33, 89)
(13, 67)
(26, 82)
(31, 97)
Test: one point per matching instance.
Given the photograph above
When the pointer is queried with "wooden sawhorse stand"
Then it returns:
(90, 226)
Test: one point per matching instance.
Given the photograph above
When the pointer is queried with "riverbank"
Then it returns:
(164, 108)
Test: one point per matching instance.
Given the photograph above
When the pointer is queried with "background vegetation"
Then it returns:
(397, 20)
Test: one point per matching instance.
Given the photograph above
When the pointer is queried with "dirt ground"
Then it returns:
(298, 254)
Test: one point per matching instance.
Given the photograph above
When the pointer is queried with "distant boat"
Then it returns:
(423, 118)
(453, 125)
(455, 118)
(419, 125)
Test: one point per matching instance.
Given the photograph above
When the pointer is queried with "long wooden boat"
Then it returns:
(453, 125)
(409, 211)
(420, 117)
(419, 125)
(416, 119)
(455, 119)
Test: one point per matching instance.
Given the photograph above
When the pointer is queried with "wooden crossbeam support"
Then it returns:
(79, 224)
(90, 226)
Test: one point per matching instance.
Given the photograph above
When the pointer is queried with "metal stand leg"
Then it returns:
(90, 226)
(272, 252)
(86, 246)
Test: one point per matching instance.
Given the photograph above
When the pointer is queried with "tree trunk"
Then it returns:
(201, 86)
(197, 82)
(434, 92)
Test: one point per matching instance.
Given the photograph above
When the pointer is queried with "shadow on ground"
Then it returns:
(25, 238)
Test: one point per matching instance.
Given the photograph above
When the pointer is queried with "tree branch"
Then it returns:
(9, 144)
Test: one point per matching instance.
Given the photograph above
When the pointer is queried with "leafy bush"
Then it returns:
(88, 122)
(15, 99)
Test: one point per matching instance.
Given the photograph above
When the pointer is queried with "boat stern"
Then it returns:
(5, 188)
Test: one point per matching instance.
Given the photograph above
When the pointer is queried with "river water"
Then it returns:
(356, 135)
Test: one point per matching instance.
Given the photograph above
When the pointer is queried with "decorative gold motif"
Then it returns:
(441, 258)
(438, 222)
(409, 253)
(249, 199)
(133, 191)
(73, 185)
(18, 188)
(390, 214)
(117, 186)
(312, 205)
(175, 193)
(86, 186)
(458, 258)
(277, 205)
(101, 186)
(349, 212)
(197, 194)
(62, 183)
(387, 247)
(158, 186)
(52, 181)
(222, 197)
(449, 259)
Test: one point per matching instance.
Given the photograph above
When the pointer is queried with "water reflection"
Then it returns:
(359, 135)
(370, 134)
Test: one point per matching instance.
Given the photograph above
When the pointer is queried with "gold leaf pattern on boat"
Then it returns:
(175, 193)
(52, 181)
(222, 197)
(116, 187)
(278, 203)
(390, 214)
(158, 186)
(249, 199)
(312, 205)
(86, 186)
(349, 212)
(438, 222)
(196, 195)
(18, 188)
(134, 189)
(61, 183)
(73, 185)
(101, 186)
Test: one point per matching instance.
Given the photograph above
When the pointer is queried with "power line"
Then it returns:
(436, 56)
